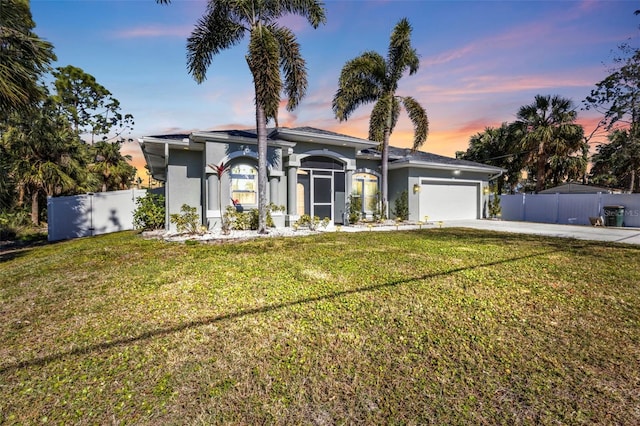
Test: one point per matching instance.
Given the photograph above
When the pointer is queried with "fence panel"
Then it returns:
(91, 214)
(568, 208)
(541, 208)
(512, 207)
(576, 209)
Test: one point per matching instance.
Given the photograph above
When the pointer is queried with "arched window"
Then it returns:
(365, 185)
(244, 184)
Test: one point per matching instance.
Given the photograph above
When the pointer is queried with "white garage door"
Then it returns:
(449, 201)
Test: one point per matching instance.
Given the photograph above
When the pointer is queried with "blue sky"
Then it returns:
(480, 60)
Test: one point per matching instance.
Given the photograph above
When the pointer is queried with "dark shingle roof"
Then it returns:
(323, 132)
(397, 154)
(175, 136)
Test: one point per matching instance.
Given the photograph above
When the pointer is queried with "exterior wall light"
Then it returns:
(485, 190)
(416, 188)
(456, 172)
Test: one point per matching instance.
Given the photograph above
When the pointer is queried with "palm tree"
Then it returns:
(274, 55)
(548, 129)
(111, 166)
(370, 78)
(497, 147)
(46, 159)
(23, 57)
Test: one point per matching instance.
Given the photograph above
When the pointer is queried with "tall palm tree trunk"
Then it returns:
(261, 127)
(540, 172)
(385, 174)
(35, 216)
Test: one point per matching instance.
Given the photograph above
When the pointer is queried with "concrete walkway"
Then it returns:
(597, 233)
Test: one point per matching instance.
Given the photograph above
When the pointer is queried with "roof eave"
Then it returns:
(335, 140)
(202, 137)
(442, 166)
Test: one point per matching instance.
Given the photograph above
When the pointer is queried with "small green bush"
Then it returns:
(16, 225)
(355, 208)
(494, 206)
(234, 219)
(188, 221)
(401, 210)
(150, 213)
(312, 222)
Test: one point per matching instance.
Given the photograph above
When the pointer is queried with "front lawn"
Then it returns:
(440, 326)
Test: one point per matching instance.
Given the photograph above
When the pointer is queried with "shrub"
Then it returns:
(15, 225)
(401, 209)
(379, 208)
(312, 222)
(355, 208)
(494, 206)
(188, 221)
(150, 213)
(234, 219)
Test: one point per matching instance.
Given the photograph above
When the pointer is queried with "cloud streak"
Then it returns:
(154, 31)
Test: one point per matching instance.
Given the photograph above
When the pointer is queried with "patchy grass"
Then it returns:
(443, 326)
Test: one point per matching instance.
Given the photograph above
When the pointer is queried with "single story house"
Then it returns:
(310, 171)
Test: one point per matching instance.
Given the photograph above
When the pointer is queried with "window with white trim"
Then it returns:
(244, 184)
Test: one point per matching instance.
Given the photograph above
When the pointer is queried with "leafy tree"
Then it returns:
(90, 107)
(24, 57)
(617, 163)
(45, 157)
(273, 55)
(548, 130)
(617, 97)
(498, 147)
(112, 168)
(370, 78)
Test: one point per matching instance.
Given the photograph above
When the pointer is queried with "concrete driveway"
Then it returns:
(599, 233)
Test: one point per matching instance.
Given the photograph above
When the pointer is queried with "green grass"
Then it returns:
(440, 326)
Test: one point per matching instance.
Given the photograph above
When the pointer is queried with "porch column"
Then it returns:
(212, 192)
(348, 188)
(292, 190)
(273, 189)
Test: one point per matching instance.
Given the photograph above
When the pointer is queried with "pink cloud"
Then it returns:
(155, 31)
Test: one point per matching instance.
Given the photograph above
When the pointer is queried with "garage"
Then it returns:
(447, 200)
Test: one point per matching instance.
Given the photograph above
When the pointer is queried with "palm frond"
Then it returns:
(214, 32)
(418, 116)
(293, 66)
(401, 55)
(361, 82)
(264, 62)
(384, 117)
(312, 10)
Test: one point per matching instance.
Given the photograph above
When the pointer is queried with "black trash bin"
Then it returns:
(613, 215)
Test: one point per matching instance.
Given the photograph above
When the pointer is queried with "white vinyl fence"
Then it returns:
(568, 208)
(91, 214)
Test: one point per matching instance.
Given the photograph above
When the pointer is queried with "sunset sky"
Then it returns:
(480, 61)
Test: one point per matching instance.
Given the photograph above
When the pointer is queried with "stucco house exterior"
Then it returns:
(310, 171)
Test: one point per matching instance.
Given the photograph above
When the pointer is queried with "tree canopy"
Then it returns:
(41, 150)
(24, 57)
(371, 78)
(273, 57)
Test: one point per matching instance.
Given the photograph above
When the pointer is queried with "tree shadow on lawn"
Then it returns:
(37, 362)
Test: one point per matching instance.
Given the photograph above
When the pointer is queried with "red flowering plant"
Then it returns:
(219, 171)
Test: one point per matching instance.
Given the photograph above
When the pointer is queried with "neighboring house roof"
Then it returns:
(576, 188)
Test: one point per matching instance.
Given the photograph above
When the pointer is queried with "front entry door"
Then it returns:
(322, 195)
